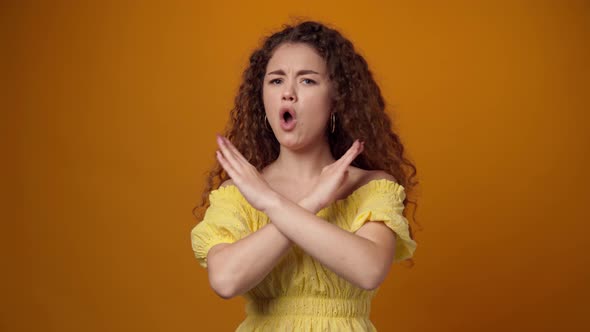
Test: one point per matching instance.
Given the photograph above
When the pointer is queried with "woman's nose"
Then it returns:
(289, 93)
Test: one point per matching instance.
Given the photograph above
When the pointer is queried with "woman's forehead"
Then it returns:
(296, 57)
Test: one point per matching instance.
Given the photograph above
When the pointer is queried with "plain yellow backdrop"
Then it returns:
(110, 114)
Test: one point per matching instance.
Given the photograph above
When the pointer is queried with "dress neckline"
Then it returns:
(356, 192)
(335, 203)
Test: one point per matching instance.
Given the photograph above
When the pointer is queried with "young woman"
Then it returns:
(311, 220)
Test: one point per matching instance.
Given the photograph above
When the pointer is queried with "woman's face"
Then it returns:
(296, 82)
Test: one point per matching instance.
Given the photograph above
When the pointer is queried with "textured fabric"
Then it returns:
(300, 294)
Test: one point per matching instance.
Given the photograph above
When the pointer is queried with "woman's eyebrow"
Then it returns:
(301, 72)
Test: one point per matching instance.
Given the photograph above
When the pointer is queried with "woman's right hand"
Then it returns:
(333, 177)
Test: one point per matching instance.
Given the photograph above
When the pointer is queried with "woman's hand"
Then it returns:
(245, 176)
(333, 176)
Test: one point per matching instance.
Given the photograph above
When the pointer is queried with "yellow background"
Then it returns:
(109, 114)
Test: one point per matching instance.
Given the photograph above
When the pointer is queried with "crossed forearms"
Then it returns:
(236, 268)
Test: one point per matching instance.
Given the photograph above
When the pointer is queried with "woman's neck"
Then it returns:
(306, 163)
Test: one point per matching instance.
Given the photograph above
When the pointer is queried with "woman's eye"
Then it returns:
(306, 81)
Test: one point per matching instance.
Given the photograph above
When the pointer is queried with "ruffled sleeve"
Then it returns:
(226, 221)
(382, 200)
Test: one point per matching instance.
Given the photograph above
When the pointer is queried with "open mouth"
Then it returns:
(288, 118)
(287, 114)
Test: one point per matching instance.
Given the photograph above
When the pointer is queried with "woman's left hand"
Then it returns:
(245, 176)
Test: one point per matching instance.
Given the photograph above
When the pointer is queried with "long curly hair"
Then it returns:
(358, 105)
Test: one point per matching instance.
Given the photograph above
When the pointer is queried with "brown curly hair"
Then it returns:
(358, 105)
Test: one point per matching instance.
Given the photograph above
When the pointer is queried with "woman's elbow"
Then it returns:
(224, 293)
(223, 285)
(372, 281)
(221, 279)
(370, 284)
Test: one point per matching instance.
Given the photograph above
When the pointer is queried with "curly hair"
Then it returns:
(358, 105)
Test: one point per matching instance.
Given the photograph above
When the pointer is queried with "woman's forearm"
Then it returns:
(236, 268)
(350, 256)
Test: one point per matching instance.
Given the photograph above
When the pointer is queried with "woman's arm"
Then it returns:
(364, 258)
(236, 268)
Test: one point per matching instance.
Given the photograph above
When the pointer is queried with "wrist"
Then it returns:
(310, 205)
(274, 200)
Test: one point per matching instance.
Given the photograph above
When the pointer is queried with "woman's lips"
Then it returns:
(287, 125)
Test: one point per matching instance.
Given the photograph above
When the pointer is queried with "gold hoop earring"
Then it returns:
(333, 120)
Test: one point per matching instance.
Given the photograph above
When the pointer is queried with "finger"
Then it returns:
(235, 150)
(226, 166)
(227, 153)
(349, 152)
(350, 157)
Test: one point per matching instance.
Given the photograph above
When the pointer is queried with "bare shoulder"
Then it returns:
(380, 175)
(228, 182)
(365, 176)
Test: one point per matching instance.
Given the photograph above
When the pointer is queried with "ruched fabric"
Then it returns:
(300, 294)
(225, 221)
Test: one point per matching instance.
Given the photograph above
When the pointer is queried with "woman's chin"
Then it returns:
(297, 146)
(291, 143)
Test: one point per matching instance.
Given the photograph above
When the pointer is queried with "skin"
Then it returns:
(363, 258)
(310, 95)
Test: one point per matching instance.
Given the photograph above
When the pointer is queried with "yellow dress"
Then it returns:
(300, 294)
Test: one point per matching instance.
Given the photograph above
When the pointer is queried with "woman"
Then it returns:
(311, 219)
